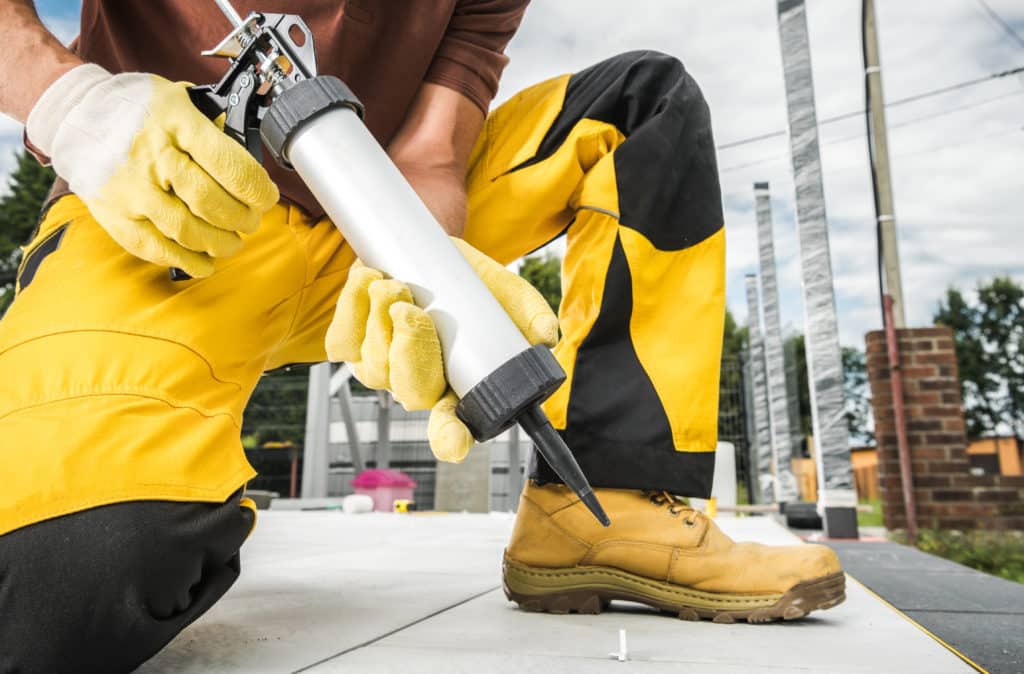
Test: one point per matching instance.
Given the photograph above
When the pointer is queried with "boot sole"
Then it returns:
(590, 589)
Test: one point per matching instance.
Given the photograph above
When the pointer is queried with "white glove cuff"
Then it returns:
(58, 100)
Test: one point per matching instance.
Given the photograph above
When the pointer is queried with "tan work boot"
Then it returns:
(660, 552)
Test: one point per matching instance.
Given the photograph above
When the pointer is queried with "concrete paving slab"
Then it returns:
(388, 660)
(316, 583)
(855, 637)
(326, 592)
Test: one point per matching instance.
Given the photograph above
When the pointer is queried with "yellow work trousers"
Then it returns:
(120, 385)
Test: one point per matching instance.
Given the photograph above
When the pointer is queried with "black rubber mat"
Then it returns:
(981, 616)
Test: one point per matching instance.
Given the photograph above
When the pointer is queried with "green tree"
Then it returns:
(857, 394)
(734, 341)
(276, 411)
(731, 417)
(27, 187)
(796, 365)
(855, 389)
(544, 272)
(989, 337)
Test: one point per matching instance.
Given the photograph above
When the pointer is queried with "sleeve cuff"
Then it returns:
(60, 97)
(40, 156)
(463, 79)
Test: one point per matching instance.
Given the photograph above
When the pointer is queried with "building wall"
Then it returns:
(947, 495)
(1002, 452)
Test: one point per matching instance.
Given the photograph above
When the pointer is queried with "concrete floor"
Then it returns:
(326, 592)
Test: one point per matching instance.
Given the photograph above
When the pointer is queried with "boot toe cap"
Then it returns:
(818, 561)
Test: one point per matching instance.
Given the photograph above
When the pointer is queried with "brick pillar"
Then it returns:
(947, 496)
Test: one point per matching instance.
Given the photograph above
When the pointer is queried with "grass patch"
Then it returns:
(742, 497)
(873, 518)
(1000, 553)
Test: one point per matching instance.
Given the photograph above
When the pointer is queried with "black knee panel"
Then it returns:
(104, 589)
(666, 170)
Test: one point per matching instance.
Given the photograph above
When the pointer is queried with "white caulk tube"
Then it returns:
(315, 127)
(390, 228)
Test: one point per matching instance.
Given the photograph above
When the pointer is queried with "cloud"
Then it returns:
(957, 197)
(956, 176)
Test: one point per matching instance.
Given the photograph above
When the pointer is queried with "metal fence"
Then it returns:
(275, 423)
(733, 417)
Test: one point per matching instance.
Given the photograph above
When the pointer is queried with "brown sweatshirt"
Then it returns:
(383, 49)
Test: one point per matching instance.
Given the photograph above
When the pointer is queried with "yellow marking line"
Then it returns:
(921, 627)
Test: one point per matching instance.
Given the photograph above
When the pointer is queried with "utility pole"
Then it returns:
(893, 316)
(878, 143)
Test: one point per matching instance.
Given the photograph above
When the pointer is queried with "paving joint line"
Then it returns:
(370, 642)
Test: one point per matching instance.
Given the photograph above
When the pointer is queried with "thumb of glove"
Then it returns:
(449, 438)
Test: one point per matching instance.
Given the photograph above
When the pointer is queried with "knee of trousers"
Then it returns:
(666, 177)
(651, 63)
(104, 589)
(651, 80)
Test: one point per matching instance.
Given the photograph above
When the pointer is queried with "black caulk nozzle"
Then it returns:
(556, 452)
(513, 393)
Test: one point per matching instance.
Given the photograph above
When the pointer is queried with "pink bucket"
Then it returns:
(384, 486)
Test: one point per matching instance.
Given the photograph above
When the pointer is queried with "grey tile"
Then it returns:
(394, 593)
(860, 635)
(392, 660)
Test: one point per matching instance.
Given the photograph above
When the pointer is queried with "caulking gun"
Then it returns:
(313, 124)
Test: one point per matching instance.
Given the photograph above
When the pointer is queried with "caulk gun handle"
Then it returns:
(211, 105)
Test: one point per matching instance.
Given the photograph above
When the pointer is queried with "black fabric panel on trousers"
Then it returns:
(616, 425)
(104, 589)
(38, 254)
(666, 169)
(682, 473)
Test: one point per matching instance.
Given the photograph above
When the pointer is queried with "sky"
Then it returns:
(958, 175)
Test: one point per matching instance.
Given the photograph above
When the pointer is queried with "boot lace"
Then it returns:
(676, 506)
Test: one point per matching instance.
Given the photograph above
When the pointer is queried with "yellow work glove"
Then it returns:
(392, 344)
(163, 180)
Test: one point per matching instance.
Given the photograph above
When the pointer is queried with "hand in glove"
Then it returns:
(160, 177)
(393, 344)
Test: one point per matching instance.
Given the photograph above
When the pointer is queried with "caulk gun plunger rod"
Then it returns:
(229, 11)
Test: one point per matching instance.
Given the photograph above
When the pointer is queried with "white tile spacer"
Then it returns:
(622, 654)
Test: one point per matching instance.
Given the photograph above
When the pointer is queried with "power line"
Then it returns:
(933, 115)
(926, 150)
(959, 108)
(892, 104)
(956, 87)
(1007, 28)
(966, 141)
(860, 135)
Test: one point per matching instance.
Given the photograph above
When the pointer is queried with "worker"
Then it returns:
(122, 510)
